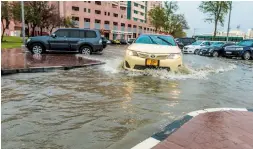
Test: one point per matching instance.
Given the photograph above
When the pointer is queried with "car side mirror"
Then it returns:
(53, 35)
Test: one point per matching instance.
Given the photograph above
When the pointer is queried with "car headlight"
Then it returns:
(174, 56)
(239, 49)
(100, 41)
(211, 50)
(131, 53)
(28, 40)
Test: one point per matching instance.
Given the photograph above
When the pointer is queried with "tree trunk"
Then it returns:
(33, 30)
(28, 28)
(51, 30)
(2, 37)
(215, 28)
(41, 28)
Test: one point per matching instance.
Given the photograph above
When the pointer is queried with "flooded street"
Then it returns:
(105, 107)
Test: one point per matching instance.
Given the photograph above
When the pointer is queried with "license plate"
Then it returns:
(152, 62)
(229, 52)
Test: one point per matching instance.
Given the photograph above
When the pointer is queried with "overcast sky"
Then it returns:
(242, 14)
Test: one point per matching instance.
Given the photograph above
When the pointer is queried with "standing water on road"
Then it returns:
(106, 107)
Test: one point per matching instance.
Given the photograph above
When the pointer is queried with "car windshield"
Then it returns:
(156, 39)
(245, 43)
(217, 44)
(197, 43)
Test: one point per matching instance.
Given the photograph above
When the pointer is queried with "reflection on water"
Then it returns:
(103, 107)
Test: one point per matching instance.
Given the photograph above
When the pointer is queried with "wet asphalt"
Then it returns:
(106, 107)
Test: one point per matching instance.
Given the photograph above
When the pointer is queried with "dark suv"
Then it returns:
(243, 49)
(184, 41)
(84, 41)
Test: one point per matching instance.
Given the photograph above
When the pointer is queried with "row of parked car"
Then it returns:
(243, 49)
(119, 41)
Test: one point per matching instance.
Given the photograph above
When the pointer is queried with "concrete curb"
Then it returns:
(45, 69)
(172, 127)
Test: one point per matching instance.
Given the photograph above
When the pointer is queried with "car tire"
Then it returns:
(37, 48)
(86, 50)
(246, 55)
(195, 52)
(215, 54)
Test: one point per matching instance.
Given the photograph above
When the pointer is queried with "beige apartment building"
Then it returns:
(117, 19)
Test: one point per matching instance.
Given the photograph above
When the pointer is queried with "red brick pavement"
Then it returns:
(16, 59)
(215, 130)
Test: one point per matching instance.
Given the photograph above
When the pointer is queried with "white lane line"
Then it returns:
(147, 144)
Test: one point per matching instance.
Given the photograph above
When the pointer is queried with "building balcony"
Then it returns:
(129, 29)
(115, 28)
(86, 24)
(107, 27)
(97, 25)
(122, 28)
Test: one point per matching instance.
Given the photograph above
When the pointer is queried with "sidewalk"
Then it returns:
(16, 61)
(206, 129)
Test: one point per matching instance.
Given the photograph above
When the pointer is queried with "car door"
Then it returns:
(60, 41)
(75, 36)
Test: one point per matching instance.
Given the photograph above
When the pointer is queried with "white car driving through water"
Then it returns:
(153, 51)
(196, 46)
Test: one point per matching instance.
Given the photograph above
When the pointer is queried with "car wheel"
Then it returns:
(37, 48)
(215, 54)
(86, 50)
(196, 51)
(246, 55)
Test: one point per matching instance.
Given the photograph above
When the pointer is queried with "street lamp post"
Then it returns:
(23, 21)
(230, 5)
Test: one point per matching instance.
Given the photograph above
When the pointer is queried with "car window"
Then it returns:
(61, 33)
(74, 34)
(245, 43)
(90, 34)
(81, 34)
(207, 43)
(197, 43)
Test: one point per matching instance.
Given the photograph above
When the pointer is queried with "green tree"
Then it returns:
(157, 17)
(216, 11)
(6, 16)
(175, 23)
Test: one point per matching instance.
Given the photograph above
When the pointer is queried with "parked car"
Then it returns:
(243, 49)
(116, 41)
(218, 50)
(84, 41)
(194, 47)
(204, 50)
(123, 41)
(153, 51)
(104, 42)
(184, 41)
(130, 40)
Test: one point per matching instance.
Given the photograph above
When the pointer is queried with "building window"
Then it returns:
(142, 7)
(114, 6)
(98, 2)
(115, 15)
(122, 8)
(88, 10)
(97, 12)
(121, 16)
(75, 8)
(105, 13)
(135, 19)
(108, 13)
(142, 14)
(135, 4)
(84, 9)
(136, 12)
(88, 1)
